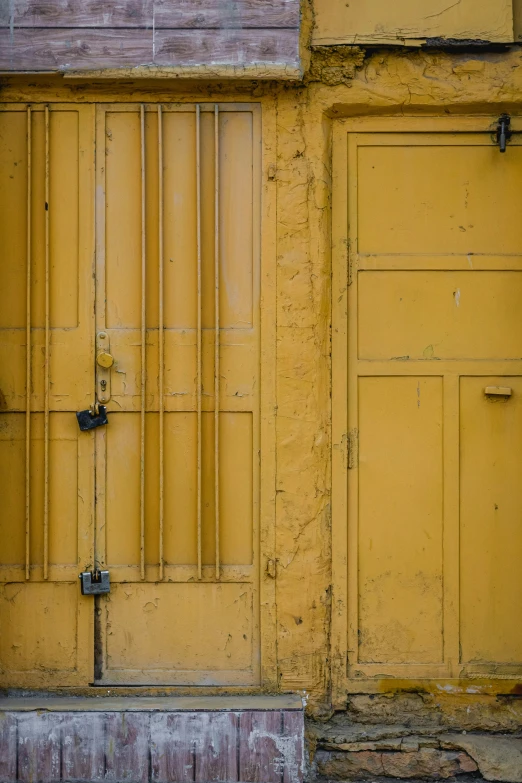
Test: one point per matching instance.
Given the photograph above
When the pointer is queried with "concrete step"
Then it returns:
(215, 739)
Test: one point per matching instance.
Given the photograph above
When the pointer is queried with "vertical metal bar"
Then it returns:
(143, 346)
(47, 357)
(199, 379)
(216, 333)
(161, 338)
(28, 356)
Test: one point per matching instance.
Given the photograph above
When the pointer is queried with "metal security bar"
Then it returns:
(143, 345)
(47, 356)
(28, 356)
(161, 340)
(199, 379)
(216, 333)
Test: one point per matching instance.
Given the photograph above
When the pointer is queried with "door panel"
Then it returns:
(434, 295)
(400, 520)
(177, 477)
(172, 631)
(440, 194)
(46, 467)
(440, 315)
(490, 521)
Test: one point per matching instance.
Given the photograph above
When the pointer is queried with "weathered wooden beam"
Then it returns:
(233, 47)
(160, 14)
(86, 48)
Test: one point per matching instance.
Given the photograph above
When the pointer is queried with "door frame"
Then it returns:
(344, 597)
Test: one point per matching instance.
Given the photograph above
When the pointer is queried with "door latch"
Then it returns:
(95, 582)
(504, 131)
(90, 419)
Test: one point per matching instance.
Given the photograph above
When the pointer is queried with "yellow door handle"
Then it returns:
(105, 360)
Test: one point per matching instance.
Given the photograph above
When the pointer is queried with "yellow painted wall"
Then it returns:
(411, 22)
(339, 85)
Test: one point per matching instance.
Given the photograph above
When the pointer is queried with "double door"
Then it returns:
(131, 251)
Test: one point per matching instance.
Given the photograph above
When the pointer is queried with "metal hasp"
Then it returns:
(90, 419)
(95, 582)
(504, 131)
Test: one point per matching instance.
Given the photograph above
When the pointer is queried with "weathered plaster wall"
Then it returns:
(341, 82)
(407, 22)
(398, 735)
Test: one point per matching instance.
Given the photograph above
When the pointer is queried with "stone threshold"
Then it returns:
(50, 703)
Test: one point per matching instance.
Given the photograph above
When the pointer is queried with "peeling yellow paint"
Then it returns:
(411, 23)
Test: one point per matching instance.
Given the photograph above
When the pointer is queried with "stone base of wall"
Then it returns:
(419, 737)
(148, 740)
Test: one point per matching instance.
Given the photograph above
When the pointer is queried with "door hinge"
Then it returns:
(353, 449)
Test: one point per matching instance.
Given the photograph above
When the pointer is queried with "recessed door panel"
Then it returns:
(490, 520)
(400, 520)
(440, 315)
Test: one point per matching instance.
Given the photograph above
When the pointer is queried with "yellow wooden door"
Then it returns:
(166, 496)
(46, 374)
(177, 471)
(434, 412)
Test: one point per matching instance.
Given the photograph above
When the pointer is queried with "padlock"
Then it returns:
(90, 419)
(95, 582)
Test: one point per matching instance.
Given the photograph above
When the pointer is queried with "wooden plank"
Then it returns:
(216, 747)
(172, 747)
(63, 50)
(127, 747)
(293, 746)
(223, 47)
(54, 50)
(260, 758)
(162, 14)
(83, 757)
(8, 747)
(39, 747)
(216, 13)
